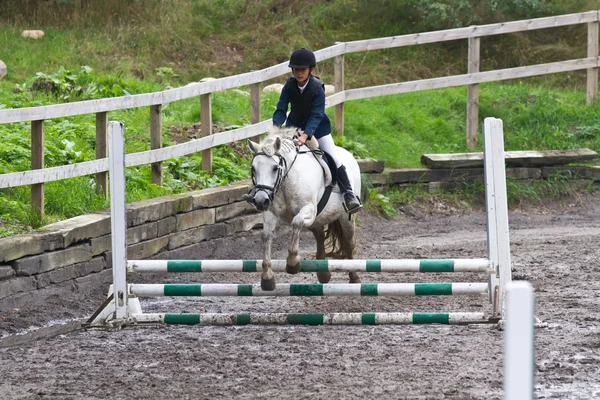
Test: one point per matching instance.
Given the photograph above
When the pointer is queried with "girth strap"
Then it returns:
(324, 199)
(328, 189)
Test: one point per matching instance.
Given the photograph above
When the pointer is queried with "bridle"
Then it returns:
(282, 173)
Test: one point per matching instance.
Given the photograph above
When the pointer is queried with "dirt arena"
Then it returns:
(555, 248)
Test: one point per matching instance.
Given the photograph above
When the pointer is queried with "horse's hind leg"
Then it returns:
(348, 244)
(319, 234)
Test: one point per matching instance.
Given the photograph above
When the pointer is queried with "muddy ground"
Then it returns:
(555, 248)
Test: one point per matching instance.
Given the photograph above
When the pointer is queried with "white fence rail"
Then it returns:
(101, 107)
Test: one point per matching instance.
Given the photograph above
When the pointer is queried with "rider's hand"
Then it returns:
(300, 140)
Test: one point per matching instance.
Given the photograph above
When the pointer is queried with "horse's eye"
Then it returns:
(275, 168)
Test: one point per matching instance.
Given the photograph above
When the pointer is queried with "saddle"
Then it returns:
(329, 172)
(326, 161)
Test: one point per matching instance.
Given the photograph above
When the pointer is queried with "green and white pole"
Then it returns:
(313, 319)
(399, 265)
(304, 289)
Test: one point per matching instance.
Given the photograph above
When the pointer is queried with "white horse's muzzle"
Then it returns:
(261, 200)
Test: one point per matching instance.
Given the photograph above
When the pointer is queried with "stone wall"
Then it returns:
(81, 246)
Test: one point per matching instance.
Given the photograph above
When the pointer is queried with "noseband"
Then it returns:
(282, 172)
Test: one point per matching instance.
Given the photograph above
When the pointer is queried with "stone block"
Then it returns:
(146, 249)
(166, 226)
(157, 209)
(524, 173)
(101, 244)
(15, 247)
(592, 172)
(233, 210)
(48, 261)
(81, 228)
(137, 234)
(70, 272)
(274, 87)
(214, 197)
(369, 165)
(17, 285)
(3, 69)
(6, 272)
(244, 223)
(34, 34)
(196, 235)
(377, 179)
(433, 175)
(329, 90)
(195, 218)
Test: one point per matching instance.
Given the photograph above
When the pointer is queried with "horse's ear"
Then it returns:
(255, 147)
(277, 144)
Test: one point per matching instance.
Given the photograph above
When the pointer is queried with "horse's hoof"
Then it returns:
(267, 284)
(324, 277)
(354, 278)
(292, 269)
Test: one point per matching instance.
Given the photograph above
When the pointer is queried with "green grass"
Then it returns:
(400, 128)
(397, 129)
(156, 45)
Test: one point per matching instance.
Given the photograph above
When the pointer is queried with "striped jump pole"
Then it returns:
(399, 265)
(305, 289)
(314, 319)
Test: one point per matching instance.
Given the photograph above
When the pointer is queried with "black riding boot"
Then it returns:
(351, 202)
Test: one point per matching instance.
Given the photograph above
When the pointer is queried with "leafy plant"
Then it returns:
(382, 203)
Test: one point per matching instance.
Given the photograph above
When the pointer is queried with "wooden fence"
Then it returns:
(36, 115)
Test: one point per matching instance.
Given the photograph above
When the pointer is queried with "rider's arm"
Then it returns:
(317, 112)
(280, 114)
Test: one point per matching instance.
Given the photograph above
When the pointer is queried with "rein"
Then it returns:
(281, 176)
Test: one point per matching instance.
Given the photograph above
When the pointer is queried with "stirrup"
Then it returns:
(356, 207)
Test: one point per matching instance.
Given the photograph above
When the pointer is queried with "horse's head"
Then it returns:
(268, 170)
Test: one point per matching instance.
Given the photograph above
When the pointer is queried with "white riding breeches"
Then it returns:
(327, 145)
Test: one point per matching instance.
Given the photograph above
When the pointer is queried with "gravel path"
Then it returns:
(555, 249)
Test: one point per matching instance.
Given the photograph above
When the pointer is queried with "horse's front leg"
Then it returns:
(267, 278)
(305, 217)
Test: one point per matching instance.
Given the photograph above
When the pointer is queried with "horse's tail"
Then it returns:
(333, 240)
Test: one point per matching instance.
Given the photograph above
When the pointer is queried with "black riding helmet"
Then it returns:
(302, 58)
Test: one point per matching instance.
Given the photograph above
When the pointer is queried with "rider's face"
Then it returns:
(301, 75)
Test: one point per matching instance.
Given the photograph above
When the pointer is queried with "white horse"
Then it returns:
(289, 182)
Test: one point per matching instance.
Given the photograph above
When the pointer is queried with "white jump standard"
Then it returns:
(124, 307)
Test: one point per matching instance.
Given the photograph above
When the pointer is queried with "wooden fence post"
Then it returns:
(101, 152)
(473, 93)
(156, 141)
(339, 87)
(255, 107)
(592, 73)
(37, 162)
(206, 129)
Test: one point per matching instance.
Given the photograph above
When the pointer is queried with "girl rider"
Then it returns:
(306, 94)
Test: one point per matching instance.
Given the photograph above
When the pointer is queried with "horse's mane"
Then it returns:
(285, 135)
